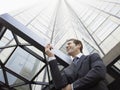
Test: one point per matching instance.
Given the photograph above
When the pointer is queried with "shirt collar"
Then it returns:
(78, 55)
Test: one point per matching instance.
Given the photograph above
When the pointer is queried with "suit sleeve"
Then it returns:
(96, 74)
(59, 79)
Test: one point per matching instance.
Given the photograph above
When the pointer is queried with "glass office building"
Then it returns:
(25, 32)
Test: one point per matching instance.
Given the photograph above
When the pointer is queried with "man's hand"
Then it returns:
(48, 50)
(68, 87)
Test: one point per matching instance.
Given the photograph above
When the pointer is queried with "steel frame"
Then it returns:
(18, 29)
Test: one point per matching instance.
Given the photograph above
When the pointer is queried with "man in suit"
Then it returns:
(84, 73)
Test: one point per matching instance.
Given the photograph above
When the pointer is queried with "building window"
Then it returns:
(90, 48)
(114, 68)
(117, 65)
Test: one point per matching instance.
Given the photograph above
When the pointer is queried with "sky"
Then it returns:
(11, 5)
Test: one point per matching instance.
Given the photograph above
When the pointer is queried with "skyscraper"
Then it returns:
(23, 34)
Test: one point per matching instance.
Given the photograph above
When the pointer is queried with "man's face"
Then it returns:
(72, 48)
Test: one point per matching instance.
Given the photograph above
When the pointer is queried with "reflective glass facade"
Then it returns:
(95, 22)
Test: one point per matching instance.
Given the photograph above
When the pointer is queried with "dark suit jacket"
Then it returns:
(87, 74)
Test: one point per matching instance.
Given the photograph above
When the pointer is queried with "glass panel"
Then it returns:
(118, 14)
(1, 76)
(103, 5)
(91, 17)
(45, 37)
(41, 28)
(97, 22)
(42, 76)
(23, 63)
(106, 29)
(109, 7)
(63, 48)
(59, 36)
(46, 75)
(5, 53)
(12, 43)
(39, 33)
(34, 49)
(117, 64)
(89, 12)
(7, 39)
(22, 41)
(8, 35)
(4, 41)
(115, 10)
(109, 40)
(90, 48)
(24, 87)
(116, 34)
(36, 87)
(12, 80)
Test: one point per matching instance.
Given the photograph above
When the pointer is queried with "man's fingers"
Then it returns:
(49, 46)
(48, 51)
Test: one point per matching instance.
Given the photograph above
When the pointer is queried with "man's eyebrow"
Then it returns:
(68, 43)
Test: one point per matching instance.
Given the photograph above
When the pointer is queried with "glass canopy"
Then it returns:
(22, 59)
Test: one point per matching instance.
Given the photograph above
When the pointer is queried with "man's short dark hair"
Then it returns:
(76, 41)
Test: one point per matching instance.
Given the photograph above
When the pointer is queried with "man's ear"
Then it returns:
(79, 45)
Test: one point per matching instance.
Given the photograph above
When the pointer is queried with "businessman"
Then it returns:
(84, 73)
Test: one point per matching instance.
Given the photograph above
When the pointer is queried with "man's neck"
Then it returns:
(76, 54)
